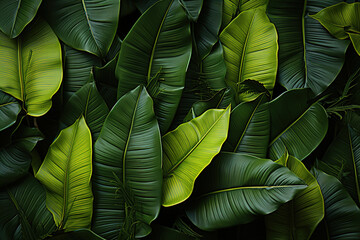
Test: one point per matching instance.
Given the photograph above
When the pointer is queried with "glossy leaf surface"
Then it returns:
(66, 173)
(236, 188)
(188, 150)
(9, 109)
(31, 67)
(127, 168)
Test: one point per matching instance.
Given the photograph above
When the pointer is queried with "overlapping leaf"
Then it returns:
(66, 173)
(237, 188)
(127, 168)
(188, 150)
(31, 67)
(9, 109)
(159, 44)
(250, 51)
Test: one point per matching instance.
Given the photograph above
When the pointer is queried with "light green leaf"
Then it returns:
(188, 150)
(127, 169)
(309, 57)
(250, 51)
(342, 21)
(66, 173)
(158, 43)
(249, 130)
(87, 102)
(232, 8)
(9, 109)
(31, 67)
(342, 216)
(297, 125)
(16, 14)
(23, 212)
(85, 25)
(342, 158)
(298, 218)
(236, 188)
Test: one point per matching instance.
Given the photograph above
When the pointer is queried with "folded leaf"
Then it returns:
(127, 169)
(188, 150)
(16, 14)
(299, 217)
(309, 57)
(86, 25)
(31, 67)
(9, 109)
(236, 188)
(158, 48)
(66, 173)
(250, 51)
(296, 125)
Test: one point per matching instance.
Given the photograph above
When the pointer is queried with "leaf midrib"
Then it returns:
(90, 27)
(251, 187)
(196, 145)
(15, 18)
(354, 166)
(156, 40)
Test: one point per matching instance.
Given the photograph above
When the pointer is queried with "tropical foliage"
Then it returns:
(180, 119)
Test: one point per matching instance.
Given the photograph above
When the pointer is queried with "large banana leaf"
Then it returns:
(86, 25)
(15, 158)
(66, 173)
(206, 28)
(158, 44)
(250, 50)
(249, 130)
(309, 57)
(342, 216)
(9, 109)
(342, 21)
(236, 188)
(31, 68)
(298, 218)
(296, 125)
(342, 160)
(188, 150)
(23, 212)
(127, 168)
(232, 8)
(16, 14)
(77, 70)
(89, 103)
(193, 8)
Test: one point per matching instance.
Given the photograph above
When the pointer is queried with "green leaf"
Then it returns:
(250, 51)
(127, 168)
(342, 159)
(85, 25)
(298, 218)
(233, 7)
(342, 216)
(193, 8)
(16, 14)
(114, 49)
(309, 57)
(106, 82)
(342, 21)
(66, 173)
(159, 42)
(188, 150)
(236, 188)
(81, 234)
(249, 129)
(31, 67)
(9, 109)
(296, 125)
(87, 102)
(206, 29)
(23, 212)
(15, 159)
(163, 232)
(77, 70)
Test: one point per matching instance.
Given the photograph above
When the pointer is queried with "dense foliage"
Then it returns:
(180, 119)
